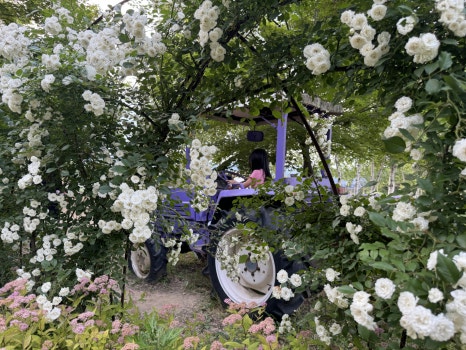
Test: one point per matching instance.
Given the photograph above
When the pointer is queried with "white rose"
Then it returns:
(46, 287)
(377, 12)
(361, 298)
(331, 274)
(295, 280)
(435, 295)
(432, 261)
(359, 211)
(459, 150)
(407, 302)
(384, 288)
(422, 320)
(443, 329)
(403, 104)
(282, 276)
(286, 293)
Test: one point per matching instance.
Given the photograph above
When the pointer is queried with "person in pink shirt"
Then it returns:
(259, 163)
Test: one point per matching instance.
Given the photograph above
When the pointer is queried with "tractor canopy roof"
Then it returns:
(243, 115)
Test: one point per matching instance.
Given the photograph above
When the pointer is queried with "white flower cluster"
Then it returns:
(135, 25)
(52, 25)
(403, 211)
(459, 151)
(202, 174)
(60, 198)
(317, 58)
(398, 120)
(68, 245)
(282, 291)
(324, 334)
(363, 33)
(48, 249)
(452, 15)
(13, 99)
(153, 45)
(32, 177)
(360, 310)
(51, 62)
(108, 226)
(331, 275)
(174, 253)
(104, 50)
(13, 43)
(96, 105)
(175, 122)
(208, 15)
(285, 325)
(293, 195)
(424, 48)
(228, 262)
(405, 24)
(336, 297)
(47, 82)
(136, 208)
(420, 322)
(10, 233)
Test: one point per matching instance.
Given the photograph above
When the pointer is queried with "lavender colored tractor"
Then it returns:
(256, 279)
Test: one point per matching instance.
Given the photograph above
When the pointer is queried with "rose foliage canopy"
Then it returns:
(95, 116)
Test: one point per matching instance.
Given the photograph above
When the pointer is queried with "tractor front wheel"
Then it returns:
(254, 280)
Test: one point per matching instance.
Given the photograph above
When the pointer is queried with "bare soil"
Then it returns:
(185, 290)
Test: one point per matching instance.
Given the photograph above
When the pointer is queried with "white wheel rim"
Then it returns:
(140, 261)
(256, 280)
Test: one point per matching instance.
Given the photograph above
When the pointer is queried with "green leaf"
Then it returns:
(450, 42)
(445, 60)
(377, 219)
(453, 83)
(347, 290)
(120, 169)
(431, 67)
(461, 240)
(433, 86)
(447, 269)
(105, 189)
(395, 144)
(380, 265)
(426, 185)
(399, 265)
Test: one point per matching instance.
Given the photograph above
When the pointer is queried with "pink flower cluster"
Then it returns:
(126, 329)
(267, 326)
(241, 308)
(16, 309)
(190, 342)
(100, 285)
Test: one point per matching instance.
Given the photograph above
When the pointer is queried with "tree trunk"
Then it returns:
(391, 179)
(378, 177)
(307, 163)
(357, 183)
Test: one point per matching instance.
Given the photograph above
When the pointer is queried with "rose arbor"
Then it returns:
(78, 134)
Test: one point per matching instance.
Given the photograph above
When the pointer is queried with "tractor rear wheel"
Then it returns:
(149, 261)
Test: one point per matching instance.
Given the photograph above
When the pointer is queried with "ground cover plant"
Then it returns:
(96, 114)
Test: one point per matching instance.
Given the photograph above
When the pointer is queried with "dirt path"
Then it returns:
(186, 290)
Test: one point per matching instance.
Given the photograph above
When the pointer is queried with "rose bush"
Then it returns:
(96, 118)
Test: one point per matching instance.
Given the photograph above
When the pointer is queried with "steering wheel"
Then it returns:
(224, 176)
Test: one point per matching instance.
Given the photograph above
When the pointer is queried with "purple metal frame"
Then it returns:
(281, 148)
